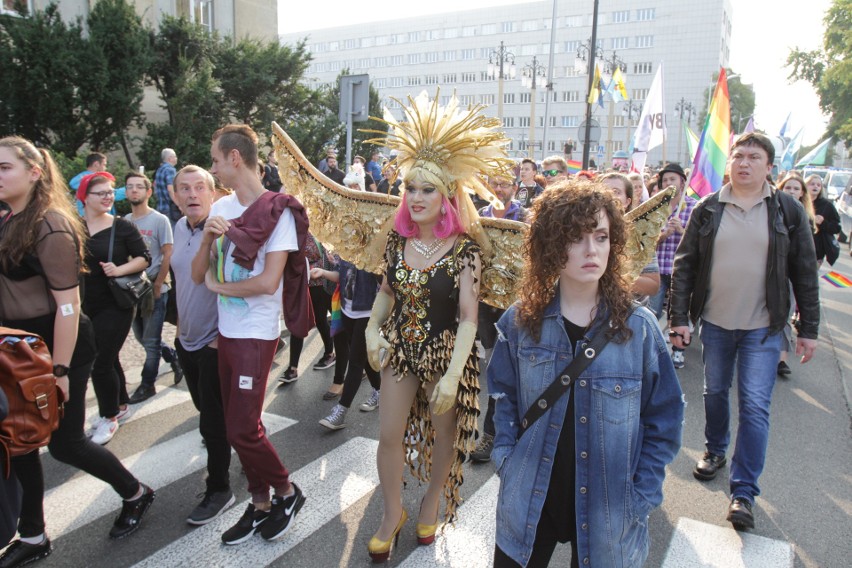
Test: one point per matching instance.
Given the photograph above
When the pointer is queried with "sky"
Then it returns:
(761, 39)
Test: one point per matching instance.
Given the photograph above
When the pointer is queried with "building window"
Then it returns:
(551, 146)
(397, 39)
(529, 25)
(507, 27)
(413, 58)
(619, 43)
(350, 43)
(552, 121)
(451, 33)
(396, 81)
(523, 121)
(621, 16)
(508, 98)
(570, 96)
(489, 29)
(450, 55)
(487, 99)
(640, 94)
(574, 21)
(367, 41)
(396, 61)
(645, 41)
(468, 31)
(617, 121)
(365, 63)
(433, 35)
(392, 104)
(413, 37)
(646, 14)
(431, 79)
(431, 57)
(334, 66)
(413, 81)
(645, 68)
(530, 49)
(333, 45)
(468, 54)
(572, 46)
(450, 78)
(381, 40)
(445, 100)
(525, 98)
(467, 100)
(508, 122)
(468, 77)
(569, 121)
(571, 71)
(380, 83)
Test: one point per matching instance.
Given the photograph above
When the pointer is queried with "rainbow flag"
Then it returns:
(708, 168)
(837, 279)
(336, 312)
(574, 166)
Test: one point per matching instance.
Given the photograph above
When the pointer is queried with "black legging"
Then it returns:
(321, 302)
(356, 355)
(543, 547)
(111, 328)
(68, 444)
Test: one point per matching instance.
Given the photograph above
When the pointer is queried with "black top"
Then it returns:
(830, 225)
(128, 244)
(560, 501)
(526, 195)
(336, 175)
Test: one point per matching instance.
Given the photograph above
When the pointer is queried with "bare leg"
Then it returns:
(443, 455)
(397, 398)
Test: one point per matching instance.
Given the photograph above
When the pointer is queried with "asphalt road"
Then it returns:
(803, 516)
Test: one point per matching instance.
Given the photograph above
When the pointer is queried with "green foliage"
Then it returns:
(69, 166)
(742, 101)
(117, 36)
(830, 70)
(44, 64)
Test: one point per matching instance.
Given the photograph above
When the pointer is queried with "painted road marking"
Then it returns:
(83, 499)
(331, 484)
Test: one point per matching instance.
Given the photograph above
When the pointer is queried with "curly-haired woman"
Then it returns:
(592, 467)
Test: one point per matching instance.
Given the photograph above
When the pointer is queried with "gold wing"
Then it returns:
(503, 265)
(646, 223)
(354, 224)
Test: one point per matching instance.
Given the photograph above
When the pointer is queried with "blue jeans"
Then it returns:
(148, 331)
(655, 302)
(755, 354)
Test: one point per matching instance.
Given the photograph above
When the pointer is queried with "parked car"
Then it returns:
(835, 182)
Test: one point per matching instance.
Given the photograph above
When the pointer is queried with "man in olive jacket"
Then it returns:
(742, 246)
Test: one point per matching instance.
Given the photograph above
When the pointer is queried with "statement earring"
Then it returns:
(443, 210)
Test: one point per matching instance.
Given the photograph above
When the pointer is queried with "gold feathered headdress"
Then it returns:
(461, 148)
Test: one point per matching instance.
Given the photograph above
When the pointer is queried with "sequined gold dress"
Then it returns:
(422, 333)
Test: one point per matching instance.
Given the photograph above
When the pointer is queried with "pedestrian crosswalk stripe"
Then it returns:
(163, 400)
(701, 544)
(470, 543)
(331, 484)
(85, 498)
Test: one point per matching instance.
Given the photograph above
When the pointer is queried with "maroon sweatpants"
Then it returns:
(244, 366)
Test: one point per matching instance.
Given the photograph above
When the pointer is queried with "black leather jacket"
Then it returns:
(791, 257)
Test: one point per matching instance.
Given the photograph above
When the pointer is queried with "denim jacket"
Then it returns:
(628, 420)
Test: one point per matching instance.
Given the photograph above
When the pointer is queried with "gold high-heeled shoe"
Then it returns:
(426, 533)
(379, 549)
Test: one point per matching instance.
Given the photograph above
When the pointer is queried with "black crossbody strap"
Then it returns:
(563, 381)
(111, 240)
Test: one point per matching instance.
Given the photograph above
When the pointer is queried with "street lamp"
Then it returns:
(496, 61)
(590, 52)
(683, 107)
(612, 63)
(533, 77)
(629, 109)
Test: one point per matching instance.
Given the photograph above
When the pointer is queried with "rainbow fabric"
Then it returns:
(336, 312)
(574, 166)
(708, 168)
(837, 279)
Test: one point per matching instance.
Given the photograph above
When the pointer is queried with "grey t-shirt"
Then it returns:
(197, 311)
(156, 230)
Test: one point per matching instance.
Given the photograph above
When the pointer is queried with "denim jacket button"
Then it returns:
(583, 490)
(582, 420)
(583, 383)
(584, 526)
(586, 560)
(584, 455)
(532, 357)
(617, 388)
(542, 403)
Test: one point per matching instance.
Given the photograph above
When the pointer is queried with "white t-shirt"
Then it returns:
(255, 317)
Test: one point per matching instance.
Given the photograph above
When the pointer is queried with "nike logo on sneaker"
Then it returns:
(257, 522)
(289, 510)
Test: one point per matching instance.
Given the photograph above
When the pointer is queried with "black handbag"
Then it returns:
(128, 291)
(563, 381)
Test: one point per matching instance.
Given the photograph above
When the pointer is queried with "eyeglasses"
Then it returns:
(103, 194)
(552, 173)
(502, 184)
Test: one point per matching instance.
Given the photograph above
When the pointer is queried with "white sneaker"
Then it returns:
(93, 427)
(105, 431)
(371, 403)
(337, 419)
(124, 414)
(677, 359)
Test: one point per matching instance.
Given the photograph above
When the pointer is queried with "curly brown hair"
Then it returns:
(560, 215)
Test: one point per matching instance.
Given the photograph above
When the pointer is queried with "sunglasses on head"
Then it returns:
(552, 173)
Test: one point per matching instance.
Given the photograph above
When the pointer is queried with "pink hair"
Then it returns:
(449, 224)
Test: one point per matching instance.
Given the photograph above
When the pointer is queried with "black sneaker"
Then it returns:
(281, 515)
(784, 369)
(251, 520)
(290, 375)
(170, 357)
(740, 515)
(325, 362)
(142, 393)
(131, 514)
(213, 505)
(707, 466)
(21, 553)
(482, 452)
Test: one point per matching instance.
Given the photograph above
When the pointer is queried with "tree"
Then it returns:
(44, 65)
(262, 82)
(742, 101)
(117, 35)
(830, 70)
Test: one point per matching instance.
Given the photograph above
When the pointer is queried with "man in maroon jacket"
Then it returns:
(250, 237)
